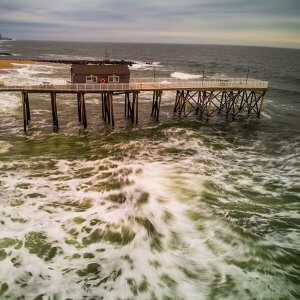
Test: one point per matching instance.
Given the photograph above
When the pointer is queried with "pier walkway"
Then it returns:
(200, 96)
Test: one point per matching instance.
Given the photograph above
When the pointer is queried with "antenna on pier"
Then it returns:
(106, 54)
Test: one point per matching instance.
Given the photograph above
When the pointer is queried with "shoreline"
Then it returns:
(8, 64)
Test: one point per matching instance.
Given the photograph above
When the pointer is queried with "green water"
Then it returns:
(170, 210)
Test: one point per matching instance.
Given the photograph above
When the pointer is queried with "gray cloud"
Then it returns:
(189, 21)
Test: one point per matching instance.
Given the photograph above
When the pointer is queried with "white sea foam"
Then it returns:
(266, 115)
(68, 57)
(9, 102)
(4, 146)
(205, 247)
(153, 180)
(185, 76)
(139, 65)
(34, 74)
(218, 75)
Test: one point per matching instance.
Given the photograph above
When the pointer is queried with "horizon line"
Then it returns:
(158, 43)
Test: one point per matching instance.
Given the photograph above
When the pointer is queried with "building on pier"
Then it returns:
(100, 73)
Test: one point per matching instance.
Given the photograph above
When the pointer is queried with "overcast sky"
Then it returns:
(236, 22)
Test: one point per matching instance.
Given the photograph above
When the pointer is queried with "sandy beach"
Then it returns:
(9, 63)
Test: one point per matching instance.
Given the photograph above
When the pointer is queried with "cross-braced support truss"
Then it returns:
(206, 103)
(107, 108)
(132, 106)
(156, 104)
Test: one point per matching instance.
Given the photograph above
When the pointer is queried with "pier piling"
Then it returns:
(79, 107)
(54, 110)
(83, 110)
(24, 111)
(111, 108)
(132, 106)
(27, 108)
(107, 107)
(156, 101)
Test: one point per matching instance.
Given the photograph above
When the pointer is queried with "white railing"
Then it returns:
(148, 84)
(200, 79)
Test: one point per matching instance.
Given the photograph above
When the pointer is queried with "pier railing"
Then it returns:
(146, 84)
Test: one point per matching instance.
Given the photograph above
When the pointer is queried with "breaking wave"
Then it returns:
(185, 76)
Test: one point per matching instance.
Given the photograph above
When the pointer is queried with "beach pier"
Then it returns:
(204, 98)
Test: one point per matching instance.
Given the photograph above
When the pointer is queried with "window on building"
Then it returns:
(113, 78)
(91, 79)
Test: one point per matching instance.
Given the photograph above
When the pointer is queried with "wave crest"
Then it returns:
(185, 76)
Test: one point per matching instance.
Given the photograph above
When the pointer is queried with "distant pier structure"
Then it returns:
(202, 97)
(3, 38)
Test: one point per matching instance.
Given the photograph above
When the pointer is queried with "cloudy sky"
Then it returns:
(236, 22)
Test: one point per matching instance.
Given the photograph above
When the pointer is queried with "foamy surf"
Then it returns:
(168, 210)
(9, 103)
(124, 241)
(143, 66)
(67, 57)
(4, 146)
(153, 226)
(33, 74)
(185, 76)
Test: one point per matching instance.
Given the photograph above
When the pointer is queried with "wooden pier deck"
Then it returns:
(202, 96)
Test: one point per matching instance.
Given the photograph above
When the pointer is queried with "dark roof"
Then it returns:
(100, 69)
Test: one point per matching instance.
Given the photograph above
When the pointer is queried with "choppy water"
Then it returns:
(169, 210)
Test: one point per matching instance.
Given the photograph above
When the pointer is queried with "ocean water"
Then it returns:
(175, 209)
